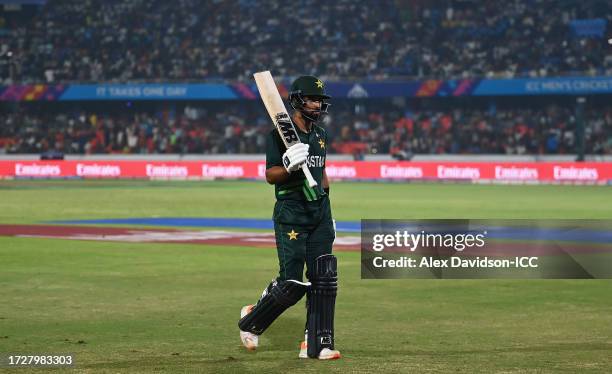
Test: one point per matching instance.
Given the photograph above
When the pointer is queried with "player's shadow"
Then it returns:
(285, 334)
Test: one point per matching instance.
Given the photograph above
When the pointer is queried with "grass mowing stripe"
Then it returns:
(227, 199)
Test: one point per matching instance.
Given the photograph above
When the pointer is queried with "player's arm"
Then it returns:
(278, 168)
(292, 160)
(276, 174)
(325, 181)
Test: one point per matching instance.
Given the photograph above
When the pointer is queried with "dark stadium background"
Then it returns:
(130, 42)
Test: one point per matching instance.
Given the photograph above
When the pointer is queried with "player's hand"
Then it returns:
(295, 156)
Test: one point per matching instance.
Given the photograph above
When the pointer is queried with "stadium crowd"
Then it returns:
(190, 40)
(400, 132)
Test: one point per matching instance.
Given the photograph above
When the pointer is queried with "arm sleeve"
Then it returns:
(273, 150)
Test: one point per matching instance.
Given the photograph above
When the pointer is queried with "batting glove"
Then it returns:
(295, 156)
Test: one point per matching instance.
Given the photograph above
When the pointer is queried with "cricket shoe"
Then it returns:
(249, 340)
(303, 350)
(325, 354)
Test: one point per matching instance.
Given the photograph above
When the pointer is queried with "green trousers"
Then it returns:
(304, 230)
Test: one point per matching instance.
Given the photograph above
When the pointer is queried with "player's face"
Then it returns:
(312, 103)
(314, 107)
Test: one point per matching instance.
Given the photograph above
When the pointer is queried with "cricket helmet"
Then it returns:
(308, 86)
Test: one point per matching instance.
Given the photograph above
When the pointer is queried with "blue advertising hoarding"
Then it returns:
(149, 92)
(544, 86)
(351, 90)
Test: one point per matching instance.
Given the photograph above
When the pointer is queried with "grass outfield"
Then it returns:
(173, 307)
(31, 201)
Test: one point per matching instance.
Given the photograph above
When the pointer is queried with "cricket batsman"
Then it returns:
(303, 227)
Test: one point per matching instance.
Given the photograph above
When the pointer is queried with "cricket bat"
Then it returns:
(277, 111)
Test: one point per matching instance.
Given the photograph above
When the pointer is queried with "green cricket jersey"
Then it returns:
(296, 187)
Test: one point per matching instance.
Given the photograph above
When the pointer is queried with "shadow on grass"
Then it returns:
(285, 334)
(278, 352)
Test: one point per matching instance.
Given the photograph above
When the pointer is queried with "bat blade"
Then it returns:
(279, 115)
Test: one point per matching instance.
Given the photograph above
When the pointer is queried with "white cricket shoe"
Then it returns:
(329, 354)
(249, 340)
(325, 354)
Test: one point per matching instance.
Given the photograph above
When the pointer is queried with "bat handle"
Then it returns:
(311, 181)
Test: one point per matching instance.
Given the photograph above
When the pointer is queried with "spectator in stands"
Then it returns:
(187, 40)
(385, 130)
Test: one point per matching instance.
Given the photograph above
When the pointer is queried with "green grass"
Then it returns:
(173, 307)
(29, 201)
